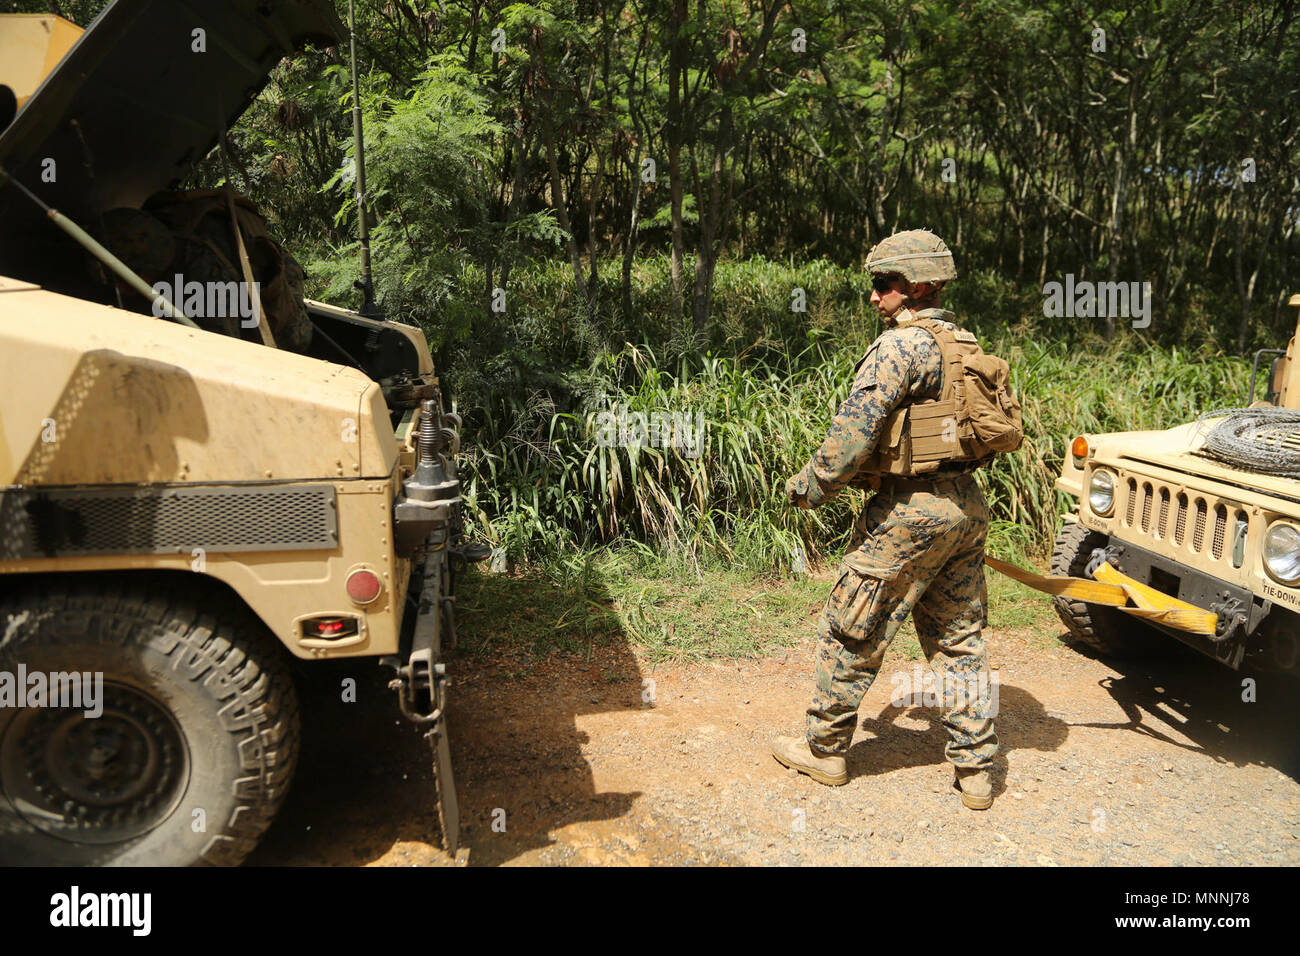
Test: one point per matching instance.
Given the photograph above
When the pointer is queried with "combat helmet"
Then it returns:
(917, 255)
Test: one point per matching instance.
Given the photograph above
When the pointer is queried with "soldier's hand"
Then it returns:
(791, 492)
(795, 490)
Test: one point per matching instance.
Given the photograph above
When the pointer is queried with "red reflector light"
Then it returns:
(330, 628)
(364, 586)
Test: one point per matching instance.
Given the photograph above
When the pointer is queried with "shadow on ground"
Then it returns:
(364, 788)
(1240, 717)
(1172, 694)
(891, 744)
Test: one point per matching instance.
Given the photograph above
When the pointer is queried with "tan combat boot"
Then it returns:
(795, 754)
(976, 788)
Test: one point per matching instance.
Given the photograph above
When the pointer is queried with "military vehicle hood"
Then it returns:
(101, 396)
(1178, 449)
(140, 97)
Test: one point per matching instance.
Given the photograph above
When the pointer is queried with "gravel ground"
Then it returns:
(569, 762)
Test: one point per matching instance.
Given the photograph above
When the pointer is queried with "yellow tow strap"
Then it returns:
(1116, 590)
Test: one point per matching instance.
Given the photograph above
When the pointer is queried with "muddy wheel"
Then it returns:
(179, 749)
(1101, 628)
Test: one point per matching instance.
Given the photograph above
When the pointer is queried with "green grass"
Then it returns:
(530, 615)
(723, 614)
(540, 485)
(694, 557)
(608, 600)
(664, 610)
(1022, 611)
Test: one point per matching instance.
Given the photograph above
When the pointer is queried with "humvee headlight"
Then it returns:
(1101, 492)
(1282, 553)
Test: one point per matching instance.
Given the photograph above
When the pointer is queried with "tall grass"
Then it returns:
(541, 492)
(539, 485)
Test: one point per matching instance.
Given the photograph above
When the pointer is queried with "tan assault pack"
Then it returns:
(975, 417)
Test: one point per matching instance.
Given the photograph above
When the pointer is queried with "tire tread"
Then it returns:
(227, 650)
(1103, 629)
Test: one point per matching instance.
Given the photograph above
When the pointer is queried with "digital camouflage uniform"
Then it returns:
(918, 552)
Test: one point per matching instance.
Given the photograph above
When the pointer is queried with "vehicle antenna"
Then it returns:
(366, 284)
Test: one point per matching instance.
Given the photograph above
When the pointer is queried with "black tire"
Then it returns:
(1101, 628)
(192, 754)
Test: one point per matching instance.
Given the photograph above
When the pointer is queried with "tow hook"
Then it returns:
(412, 683)
(1232, 616)
(421, 686)
(1110, 555)
(409, 683)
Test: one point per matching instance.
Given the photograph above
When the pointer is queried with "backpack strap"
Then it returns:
(950, 353)
(953, 344)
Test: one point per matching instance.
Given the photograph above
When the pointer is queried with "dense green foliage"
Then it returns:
(646, 191)
(1154, 141)
(543, 483)
(1135, 141)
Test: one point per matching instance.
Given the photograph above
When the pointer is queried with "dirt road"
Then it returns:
(605, 761)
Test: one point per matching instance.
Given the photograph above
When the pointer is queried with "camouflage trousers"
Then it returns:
(918, 553)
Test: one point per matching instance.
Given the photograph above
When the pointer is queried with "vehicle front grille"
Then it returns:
(1220, 523)
(1146, 520)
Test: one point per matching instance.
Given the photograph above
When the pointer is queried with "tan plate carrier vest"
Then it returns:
(919, 437)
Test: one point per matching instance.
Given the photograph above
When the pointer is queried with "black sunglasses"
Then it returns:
(883, 284)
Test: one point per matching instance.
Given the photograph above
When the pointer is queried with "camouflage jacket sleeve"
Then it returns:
(903, 365)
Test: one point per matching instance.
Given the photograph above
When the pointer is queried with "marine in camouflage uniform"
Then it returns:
(917, 548)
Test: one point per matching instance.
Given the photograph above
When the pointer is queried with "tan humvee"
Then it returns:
(182, 511)
(1218, 535)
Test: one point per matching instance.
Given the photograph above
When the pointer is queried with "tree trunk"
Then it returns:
(674, 118)
(561, 211)
(591, 217)
(516, 192)
(711, 226)
(629, 251)
(1242, 292)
